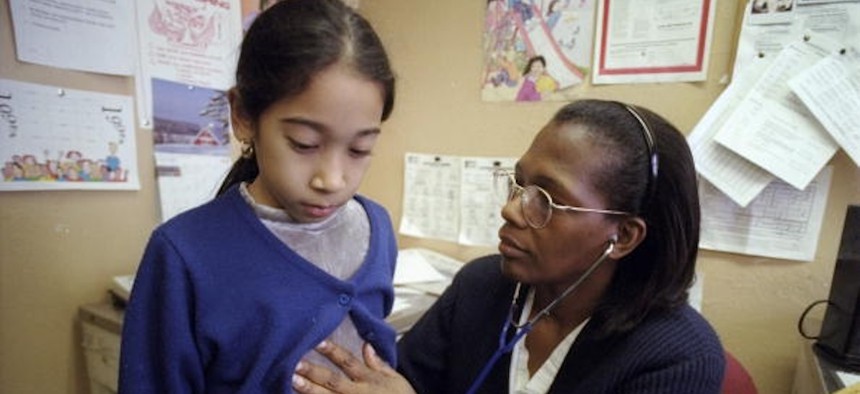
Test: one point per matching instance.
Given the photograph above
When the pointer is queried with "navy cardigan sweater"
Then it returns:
(676, 352)
(221, 305)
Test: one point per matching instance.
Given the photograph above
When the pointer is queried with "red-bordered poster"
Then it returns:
(652, 40)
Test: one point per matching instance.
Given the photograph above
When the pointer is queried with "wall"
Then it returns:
(59, 249)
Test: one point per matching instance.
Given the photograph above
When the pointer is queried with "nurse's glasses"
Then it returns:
(535, 202)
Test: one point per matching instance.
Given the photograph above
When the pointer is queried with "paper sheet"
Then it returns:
(782, 222)
(451, 198)
(851, 381)
(187, 180)
(652, 41)
(53, 138)
(431, 196)
(771, 127)
(480, 210)
(413, 267)
(95, 36)
(837, 21)
(831, 91)
(735, 176)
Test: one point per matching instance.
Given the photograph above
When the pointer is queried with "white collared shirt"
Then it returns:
(519, 380)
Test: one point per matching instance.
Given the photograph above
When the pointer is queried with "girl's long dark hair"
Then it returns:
(286, 46)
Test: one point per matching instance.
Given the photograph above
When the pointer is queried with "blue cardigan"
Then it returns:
(221, 305)
(676, 352)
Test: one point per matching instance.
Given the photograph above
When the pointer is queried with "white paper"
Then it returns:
(782, 222)
(697, 291)
(848, 379)
(772, 128)
(652, 40)
(187, 180)
(831, 91)
(53, 138)
(839, 22)
(188, 41)
(452, 198)
(735, 176)
(433, 275)
(480, 214)
(413, 267)
(95, 36)
(431, 196)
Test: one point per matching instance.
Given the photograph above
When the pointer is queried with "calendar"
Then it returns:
(53, 138)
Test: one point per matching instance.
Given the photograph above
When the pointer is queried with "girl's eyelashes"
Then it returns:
(301, 147)
(360, 152)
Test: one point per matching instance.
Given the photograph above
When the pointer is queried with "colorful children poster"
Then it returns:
(536, 50)
(53, 138)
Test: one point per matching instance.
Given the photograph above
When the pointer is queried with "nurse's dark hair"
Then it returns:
(286, 46)
(657, 275)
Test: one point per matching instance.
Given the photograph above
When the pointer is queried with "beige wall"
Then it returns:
(59, 249)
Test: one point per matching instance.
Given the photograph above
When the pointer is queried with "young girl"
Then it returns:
(536, 81)
(230, 295)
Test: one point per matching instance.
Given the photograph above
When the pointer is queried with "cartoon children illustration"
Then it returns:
(536, 81)
(112, 163)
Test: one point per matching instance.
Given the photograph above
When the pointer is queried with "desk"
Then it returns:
(101, 325)
(814, 374)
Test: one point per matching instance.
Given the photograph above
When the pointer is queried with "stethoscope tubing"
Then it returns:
(506, 346)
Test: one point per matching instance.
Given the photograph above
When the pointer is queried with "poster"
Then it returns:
(187, 41)
(536, 50)
(53, 138)
(646, 41)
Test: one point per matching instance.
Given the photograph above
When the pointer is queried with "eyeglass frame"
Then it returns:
(518, 191)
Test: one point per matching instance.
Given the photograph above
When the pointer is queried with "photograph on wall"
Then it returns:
(771, 11)
(190, 119)
(53, 138)
(536, 50)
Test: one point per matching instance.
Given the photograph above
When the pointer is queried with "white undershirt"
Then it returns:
(519, 380)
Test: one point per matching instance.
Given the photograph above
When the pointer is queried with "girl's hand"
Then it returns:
(373, 376)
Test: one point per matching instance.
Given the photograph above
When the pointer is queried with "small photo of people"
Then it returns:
(771, 11)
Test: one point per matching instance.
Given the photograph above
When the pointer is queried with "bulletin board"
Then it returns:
(59, 249)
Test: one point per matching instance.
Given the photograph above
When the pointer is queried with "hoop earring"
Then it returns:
(247, 149)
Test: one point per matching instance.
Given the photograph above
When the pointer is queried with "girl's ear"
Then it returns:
(631, 232)
(242, 126)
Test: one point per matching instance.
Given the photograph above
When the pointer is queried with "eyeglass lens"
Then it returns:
(536, 206)
(534, 202)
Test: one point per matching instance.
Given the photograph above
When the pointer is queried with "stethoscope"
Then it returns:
(506, 346)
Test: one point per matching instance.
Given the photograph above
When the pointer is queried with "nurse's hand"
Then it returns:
(371, 376)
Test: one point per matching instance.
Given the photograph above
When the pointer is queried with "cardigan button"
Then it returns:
(344, 299)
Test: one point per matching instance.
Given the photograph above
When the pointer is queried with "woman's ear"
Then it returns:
(242, 126)
(631, 232)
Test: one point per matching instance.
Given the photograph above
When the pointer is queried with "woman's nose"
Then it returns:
(512, 212)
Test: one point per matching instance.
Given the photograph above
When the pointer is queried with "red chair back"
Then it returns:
(737, 380)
